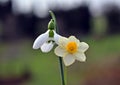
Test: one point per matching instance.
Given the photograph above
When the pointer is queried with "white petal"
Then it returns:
(56, 37)
(74, 39)
(47, 47)
(80, 57)
(83, 46)
(68, 60)
(40, 40)
(60, 52)
(62, 42)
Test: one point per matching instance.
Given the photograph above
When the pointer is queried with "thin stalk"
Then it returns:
(62, 71)
(60, 59)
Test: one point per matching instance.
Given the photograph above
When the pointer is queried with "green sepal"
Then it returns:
(51, 33)
(51, 25)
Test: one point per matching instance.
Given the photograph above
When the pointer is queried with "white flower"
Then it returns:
(71, 49)
(44, 42)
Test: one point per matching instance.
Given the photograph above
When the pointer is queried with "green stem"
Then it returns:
(62, 71)
(60, 59)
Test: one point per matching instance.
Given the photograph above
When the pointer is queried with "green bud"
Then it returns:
(51, 25)
(51, 33)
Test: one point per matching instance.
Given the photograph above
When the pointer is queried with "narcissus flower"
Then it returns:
(71, 49)
(46, 41)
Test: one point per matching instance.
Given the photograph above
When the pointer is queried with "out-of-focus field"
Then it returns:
(18, 57)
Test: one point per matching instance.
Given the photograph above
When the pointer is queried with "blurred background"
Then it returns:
(96, 22)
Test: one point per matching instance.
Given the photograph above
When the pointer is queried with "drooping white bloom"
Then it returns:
(44, 42)
(71, 49)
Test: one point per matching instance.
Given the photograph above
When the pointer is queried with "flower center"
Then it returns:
(71, 47)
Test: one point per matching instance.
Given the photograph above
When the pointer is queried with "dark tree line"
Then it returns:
(73, 22)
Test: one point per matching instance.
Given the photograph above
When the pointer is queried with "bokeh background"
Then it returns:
(96, 22)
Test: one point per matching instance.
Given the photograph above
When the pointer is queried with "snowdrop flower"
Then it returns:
(71, 49)
(45, 41)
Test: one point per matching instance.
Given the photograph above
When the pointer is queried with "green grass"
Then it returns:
(45, 67)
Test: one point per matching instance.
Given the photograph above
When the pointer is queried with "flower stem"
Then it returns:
(60, 59)
(62, 71)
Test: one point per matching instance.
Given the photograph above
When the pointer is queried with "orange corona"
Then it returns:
(71, 47)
